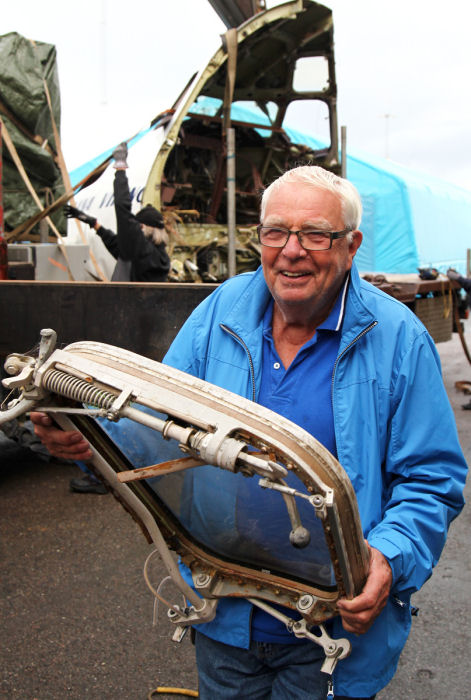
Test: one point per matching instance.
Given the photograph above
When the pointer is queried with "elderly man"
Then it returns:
(307, 338)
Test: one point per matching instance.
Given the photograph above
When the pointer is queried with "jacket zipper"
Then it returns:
(249, 357)
(360, 335)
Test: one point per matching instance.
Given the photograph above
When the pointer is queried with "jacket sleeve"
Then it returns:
(110, 240)
(130, 237)
(425, 470)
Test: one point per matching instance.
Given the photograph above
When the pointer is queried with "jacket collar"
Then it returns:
(358, 316)
(245, 316)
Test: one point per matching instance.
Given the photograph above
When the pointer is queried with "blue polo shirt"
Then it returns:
(301, 393)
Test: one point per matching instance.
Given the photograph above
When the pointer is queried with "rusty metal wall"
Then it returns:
(143, 318)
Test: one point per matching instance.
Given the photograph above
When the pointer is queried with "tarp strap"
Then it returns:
(229, 40)
(21, 127)
(65, 175)
(16, 159)
(89, 179)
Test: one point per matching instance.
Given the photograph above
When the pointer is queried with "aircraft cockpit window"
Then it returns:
(311, 74)
(255, 113)
(208, 106)
(253, 505)
(310, 115)
(248, 111)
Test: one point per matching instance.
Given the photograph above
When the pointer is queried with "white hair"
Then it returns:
(320, 178)
(158, 235)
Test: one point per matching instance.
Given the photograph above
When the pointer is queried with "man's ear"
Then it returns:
(355, 243)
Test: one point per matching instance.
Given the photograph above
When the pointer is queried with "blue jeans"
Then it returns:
(263, 672)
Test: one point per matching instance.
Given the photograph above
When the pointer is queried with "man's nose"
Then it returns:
(293, 247)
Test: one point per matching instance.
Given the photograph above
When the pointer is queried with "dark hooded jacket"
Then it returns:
(148, 262)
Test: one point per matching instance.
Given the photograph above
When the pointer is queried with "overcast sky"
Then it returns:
(402, 71)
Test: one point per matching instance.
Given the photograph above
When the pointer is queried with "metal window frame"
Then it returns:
(212, 426)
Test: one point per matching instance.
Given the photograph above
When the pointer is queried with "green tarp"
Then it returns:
(24, 65)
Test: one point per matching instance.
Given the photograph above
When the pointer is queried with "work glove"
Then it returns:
(120, 155)
(73, 213)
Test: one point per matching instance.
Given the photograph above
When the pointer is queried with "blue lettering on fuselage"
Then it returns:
(105, 197)
(138, 196)
(86, 204)
(108, 199)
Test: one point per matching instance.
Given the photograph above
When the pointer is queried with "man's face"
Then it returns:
(306, 281)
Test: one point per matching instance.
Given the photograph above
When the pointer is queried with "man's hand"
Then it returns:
(64, 444)
(359, 613)
(74, 213)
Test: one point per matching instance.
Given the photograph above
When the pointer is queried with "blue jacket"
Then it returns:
(396, 438)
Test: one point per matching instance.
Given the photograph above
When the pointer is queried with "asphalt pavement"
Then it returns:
(77, 617)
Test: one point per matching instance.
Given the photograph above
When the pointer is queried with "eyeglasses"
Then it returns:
(277, 237)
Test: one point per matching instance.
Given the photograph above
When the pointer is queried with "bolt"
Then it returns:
(305, 602)
(317, 500)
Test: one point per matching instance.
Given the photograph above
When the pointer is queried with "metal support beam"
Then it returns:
(231, 208)
(343, 147)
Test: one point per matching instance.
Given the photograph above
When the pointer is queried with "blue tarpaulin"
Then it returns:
(410, 219)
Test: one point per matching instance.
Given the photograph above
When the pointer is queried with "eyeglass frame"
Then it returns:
(333, 235)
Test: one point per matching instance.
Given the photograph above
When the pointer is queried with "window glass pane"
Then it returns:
(228, 514)
(232, 516)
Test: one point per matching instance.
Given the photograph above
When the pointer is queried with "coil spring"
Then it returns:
(78, 389)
